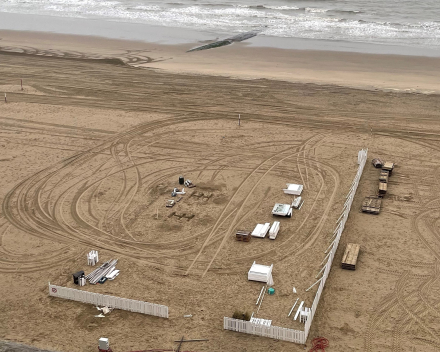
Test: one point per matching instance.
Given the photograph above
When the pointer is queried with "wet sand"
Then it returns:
(243, 60)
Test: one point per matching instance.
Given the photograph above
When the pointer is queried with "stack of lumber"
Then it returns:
(371, 205)
(388, 166)
(293, 188)
(350, 256)
(261, 230)
(244, 236)
(383, 187)
(384, 174)
(273, 232)
(102, 271)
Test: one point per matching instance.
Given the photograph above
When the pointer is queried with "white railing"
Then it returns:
(274, 332)
(331, 251)
(110, 301)
(296, 335)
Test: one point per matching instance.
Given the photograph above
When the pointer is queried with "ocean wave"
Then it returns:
(313, 22)
(268, 7)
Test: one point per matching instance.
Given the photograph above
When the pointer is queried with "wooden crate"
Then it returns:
(349, 259)
(384, 176)
(244, 236)
(388, 166)
(377, 163)
(383, 187)
(372, 205)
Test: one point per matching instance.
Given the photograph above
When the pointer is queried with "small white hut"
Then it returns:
(261, 273)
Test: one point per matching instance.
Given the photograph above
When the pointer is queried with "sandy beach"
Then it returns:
(96, 140)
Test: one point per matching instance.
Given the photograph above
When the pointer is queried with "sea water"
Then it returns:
(391, 22)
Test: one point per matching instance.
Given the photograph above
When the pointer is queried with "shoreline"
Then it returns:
(148, 33)
(396, 73)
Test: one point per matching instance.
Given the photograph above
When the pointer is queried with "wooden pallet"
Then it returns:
(371, 205)
(244, 236)
(383, 187)
(388, 166)
(384, 176)
(350, 256)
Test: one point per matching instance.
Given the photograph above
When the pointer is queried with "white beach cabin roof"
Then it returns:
(261, 273)
(293, 188)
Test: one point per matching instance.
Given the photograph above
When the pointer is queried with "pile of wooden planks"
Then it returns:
(384, 175)
(388, 166)
(350, 256)
(383, 187)
(371, 205)
(244, 236)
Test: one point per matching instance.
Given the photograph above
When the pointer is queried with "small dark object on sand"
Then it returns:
(236, 38)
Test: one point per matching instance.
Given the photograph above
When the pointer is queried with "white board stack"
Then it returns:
(113, 274)
(92, 258)
(273, 232)
(261, 273)
(263, 322)
(261, 230)
(296, 202)
(293, 189)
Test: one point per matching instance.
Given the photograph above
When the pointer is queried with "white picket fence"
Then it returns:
(274, 332)
(331, 251)
(297, 336)
(98, 299)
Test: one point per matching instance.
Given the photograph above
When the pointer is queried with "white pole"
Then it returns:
(331, 244)
(238, 119)
(299, 310)
(261, 302)
(293, 307)
(315, 283)
(326, 257)
(321, 271)
(261, 292)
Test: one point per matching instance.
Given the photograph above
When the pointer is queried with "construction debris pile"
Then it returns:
(176, 191)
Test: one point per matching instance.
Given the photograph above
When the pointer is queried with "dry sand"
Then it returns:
(91, 150)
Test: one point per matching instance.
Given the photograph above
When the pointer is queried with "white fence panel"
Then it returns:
(297, 336)
(98, 299)
(274, 332)
(362, 158)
